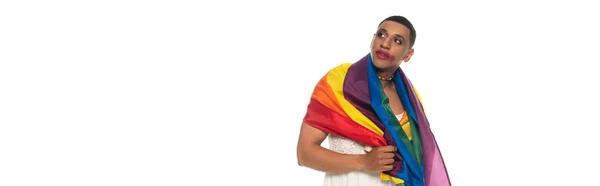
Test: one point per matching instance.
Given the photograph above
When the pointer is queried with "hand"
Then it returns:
(379, 159)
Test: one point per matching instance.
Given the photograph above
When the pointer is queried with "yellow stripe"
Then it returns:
(406, 125)
(386, 177)
(335, 78)
(420, 101)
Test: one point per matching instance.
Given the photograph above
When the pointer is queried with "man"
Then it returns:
(378, 132)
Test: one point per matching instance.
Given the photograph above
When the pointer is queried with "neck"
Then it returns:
(386, 84)
(385, 75)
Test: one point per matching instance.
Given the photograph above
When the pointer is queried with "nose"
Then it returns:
(386, 43)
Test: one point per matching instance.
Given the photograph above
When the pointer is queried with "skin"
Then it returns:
(392, 38)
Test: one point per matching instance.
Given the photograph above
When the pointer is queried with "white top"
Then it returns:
(357, 178)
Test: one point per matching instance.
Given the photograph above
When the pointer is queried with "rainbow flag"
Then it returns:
(349, 101)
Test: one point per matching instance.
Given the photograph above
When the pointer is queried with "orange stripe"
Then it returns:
(325, 95)
(406, 125)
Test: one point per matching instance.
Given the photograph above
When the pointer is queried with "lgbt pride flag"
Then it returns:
(349, 101)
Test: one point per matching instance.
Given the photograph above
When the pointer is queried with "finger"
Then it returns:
(387, 155)
(387, 168)
(387, 161)
(389, 148)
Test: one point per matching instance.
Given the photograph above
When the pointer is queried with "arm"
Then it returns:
(311, 154)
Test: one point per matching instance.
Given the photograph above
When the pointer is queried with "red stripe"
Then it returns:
(323, 118)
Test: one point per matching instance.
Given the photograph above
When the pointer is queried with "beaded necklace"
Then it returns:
(385, 79)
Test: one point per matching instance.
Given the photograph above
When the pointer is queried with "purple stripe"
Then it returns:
(356, 91)
(434, 167)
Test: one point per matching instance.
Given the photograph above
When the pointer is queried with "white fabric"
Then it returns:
(356, 178)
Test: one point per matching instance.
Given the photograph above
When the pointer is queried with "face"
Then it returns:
(390, 45)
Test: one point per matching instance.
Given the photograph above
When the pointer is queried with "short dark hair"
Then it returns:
(403, 21)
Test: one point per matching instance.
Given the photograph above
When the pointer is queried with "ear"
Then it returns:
(409, 55)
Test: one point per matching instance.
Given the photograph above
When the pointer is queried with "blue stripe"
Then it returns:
(418, 172)
(375, 95)
(403, 93)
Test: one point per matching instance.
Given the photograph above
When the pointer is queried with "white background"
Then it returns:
(189, 93)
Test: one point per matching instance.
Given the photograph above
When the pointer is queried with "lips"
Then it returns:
(382, 55)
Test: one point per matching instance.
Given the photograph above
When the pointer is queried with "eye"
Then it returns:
(380, 34)
(399, 41)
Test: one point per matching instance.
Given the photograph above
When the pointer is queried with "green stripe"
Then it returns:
(397, 127)
(414, 146)
(416, 141)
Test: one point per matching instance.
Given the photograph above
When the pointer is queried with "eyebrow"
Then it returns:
(397, 35)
